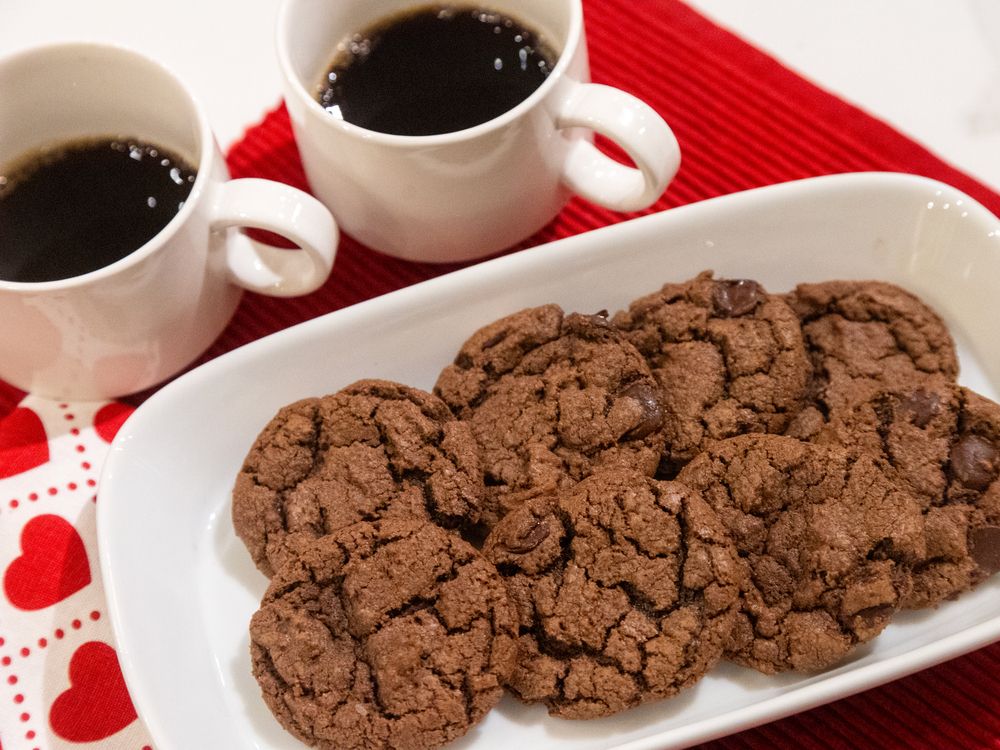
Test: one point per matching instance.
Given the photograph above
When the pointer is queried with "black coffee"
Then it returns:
(435, 70)
(83, 205)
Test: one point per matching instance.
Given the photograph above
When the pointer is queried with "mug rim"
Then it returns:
(203, 167)
(295, 84)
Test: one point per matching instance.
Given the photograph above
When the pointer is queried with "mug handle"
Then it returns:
(284, 210)
(633, 125)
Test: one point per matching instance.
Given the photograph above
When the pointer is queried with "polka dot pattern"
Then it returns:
(55, 654)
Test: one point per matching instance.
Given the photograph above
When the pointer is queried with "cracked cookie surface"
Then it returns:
(550, 397)
(374, 449)
(626, 590)
(862, 337)
(392, 634)
(944, 442)
(829, 541)
(729, 358)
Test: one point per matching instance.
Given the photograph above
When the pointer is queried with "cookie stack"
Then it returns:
(591, 511)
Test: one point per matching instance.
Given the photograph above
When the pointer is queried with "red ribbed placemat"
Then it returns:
(743, 120)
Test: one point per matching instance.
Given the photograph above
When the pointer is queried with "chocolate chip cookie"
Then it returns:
(829, 541)
(944, 442)
(549, 398)
(372, 450)
(392, 634)
(862, 337)
(626, 590)
(729, 358)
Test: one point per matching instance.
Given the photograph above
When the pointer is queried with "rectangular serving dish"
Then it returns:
(181, 588)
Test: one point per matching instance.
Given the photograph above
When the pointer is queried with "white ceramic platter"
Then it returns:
(181, 588)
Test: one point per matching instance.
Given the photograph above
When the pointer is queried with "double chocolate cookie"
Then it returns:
(372, 450)
(944, 442)
(393, 634)
(863, 337)
(729, 358)
(829, 541)
(550, 397)
(625, 588)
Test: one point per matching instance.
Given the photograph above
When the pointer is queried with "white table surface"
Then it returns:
(930, 68)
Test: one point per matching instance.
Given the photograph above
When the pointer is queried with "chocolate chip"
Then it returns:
(528, 538)
(648, 397)
(495, 339)
(590, 327)
(974, 462)
(600, 318)
(984, 546)
(875, 616)
(921, 407)
(736, 297)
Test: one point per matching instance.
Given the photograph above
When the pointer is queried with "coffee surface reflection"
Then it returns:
(82, 205)
(435, 70)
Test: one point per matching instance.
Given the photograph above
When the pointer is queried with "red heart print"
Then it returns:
(110, 418)
(97, 704)
(52, 566)
(23, 442)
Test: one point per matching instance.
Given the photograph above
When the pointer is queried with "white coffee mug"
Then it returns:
(133, 323)
(469, 193)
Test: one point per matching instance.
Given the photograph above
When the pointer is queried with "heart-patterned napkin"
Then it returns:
(60, 683)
